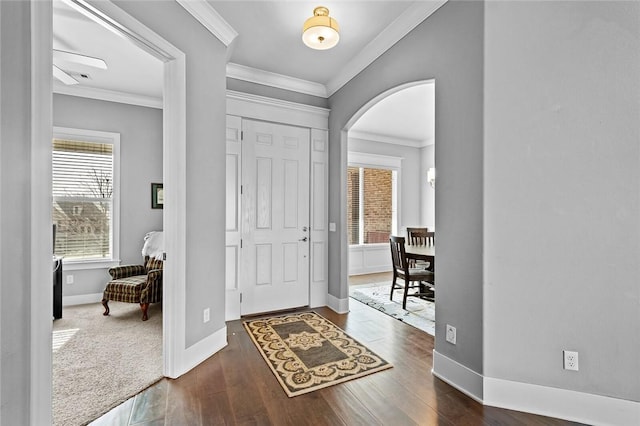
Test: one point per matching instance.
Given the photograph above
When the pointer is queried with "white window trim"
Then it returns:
(377, 161)
(112, 138)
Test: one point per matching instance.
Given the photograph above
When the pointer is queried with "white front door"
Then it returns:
(275, 217)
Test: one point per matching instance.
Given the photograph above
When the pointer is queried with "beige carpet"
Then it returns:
(100, 362)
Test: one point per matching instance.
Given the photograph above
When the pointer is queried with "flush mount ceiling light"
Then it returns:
(320, 32)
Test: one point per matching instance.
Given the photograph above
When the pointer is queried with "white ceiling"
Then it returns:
(406, 117)
(129, 70)
(268, 42)
(270, 34)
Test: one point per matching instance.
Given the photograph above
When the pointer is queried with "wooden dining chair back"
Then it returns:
(420, 236)
(415, 236)
(430, 238)
(419, 278)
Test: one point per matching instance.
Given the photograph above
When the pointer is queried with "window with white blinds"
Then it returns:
(83, 199)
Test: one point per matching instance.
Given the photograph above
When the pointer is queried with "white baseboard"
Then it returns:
(541, 400)
(340, 306)
(457, 375)
(81, 299)
(560, 403)
(369, 270)
(195, 354)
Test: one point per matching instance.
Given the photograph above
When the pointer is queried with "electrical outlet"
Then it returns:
(69, 279)
(570, 361)
(205, 315)
(451, 334)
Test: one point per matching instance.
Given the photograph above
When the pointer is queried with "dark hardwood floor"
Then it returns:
(236, 387)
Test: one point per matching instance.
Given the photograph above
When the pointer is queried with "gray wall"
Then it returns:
(562, 194)
(15, 217)
(205, 125)
(140, 132)
(447, 47)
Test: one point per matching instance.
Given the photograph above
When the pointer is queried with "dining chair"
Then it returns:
(420, 237)
(416, 235)
(420, 278)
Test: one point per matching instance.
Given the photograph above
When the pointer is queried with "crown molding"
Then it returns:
(410, 18)
(108, 95)
(280, 81)
(210, 19)
(277, 110)
(395, 140)
(264, 100)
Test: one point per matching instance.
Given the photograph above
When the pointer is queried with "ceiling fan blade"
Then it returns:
(79, 59)
(63, 76)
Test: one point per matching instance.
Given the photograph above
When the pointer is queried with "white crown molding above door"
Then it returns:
(276, 110)
(280, 81)
(210, 19)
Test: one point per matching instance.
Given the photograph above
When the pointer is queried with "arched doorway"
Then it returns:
(394, 131)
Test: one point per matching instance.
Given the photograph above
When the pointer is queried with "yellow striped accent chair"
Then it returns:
(135, 284)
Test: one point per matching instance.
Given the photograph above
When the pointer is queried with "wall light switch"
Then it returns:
(332, 226)
(69, 279)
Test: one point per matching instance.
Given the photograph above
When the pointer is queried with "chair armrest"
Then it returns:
(152, 290)
(154, 275)
(126, 271)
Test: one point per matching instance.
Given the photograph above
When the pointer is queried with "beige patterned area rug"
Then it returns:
(307, 352)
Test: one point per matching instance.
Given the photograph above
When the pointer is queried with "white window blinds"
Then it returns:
(83, 199)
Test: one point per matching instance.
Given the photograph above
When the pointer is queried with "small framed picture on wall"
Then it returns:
(157, 196)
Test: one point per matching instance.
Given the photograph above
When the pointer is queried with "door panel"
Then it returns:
(275, 217)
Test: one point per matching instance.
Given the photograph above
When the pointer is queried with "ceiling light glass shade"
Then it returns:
(320, 32)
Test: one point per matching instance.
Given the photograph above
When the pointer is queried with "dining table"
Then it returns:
(421, 252)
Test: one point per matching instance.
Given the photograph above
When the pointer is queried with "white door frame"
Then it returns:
(174, 147)
(257, 107)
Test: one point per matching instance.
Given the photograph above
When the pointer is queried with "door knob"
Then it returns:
(303, 239)
(304, 229)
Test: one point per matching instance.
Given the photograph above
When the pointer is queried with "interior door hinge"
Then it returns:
(164, 256)
(240, 242)
(241, 135)
(240, 297)
(241, 189)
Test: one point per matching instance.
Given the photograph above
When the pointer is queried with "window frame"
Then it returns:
(112, 138)
(386, 162)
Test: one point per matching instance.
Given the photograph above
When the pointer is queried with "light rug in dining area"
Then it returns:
(420, 313)
(307, 352)
(100, 362)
